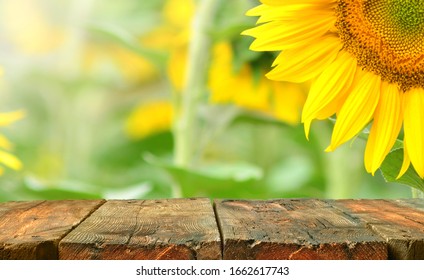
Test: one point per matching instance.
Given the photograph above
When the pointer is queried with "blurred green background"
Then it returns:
(101, 82)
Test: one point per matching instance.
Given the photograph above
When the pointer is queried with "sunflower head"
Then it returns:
(386, 37)
(365, 61)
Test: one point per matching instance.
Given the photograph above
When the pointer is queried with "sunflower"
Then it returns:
(282, 101)
(172, 36)
(6, 158)
(365, 61)
(279, 100)
(149, 118)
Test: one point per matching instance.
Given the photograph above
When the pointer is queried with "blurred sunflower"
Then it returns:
(282, 101)
(174, 31)
(242, 87)
(149, 118)
(172, 36)
(227, 85)
(6, 158)
(365, 61)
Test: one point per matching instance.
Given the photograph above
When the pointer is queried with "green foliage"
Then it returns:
(391, 168)
(212, 180)
(121, 36)
(74, 146)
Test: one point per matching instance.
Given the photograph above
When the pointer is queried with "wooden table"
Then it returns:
(199, 228)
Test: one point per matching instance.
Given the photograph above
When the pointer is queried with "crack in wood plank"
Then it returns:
(32, 230)
(136, 226)
(395, 221)
(184, 228)
(311, 229)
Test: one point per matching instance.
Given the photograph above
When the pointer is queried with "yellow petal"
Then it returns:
(10, 117)
(414, 128)
(149, 118)
(258, 10)
(249, 94)
(279, 35)
(333, 82)
(288, 100)
(335, 105)
(177, 13)
(4, 143)
(176, 68)
(10, 160)
(291, 2)
(304, 63)
(221, 74)
(386, 126)
(290, 12)
(405, 164)
(357, 110)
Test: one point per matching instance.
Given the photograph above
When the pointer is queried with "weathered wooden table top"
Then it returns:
(199, 228)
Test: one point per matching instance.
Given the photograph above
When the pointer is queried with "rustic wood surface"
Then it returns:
(149, 229)
(294, 229)
(400, 225)
(200, 229)
(417, 203)
(32, 230)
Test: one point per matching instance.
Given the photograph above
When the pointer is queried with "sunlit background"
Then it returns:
(100, 85)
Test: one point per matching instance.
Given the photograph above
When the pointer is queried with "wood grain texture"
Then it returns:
(149, 229)
(400, 223)
(32, 230)
(415, 203)
(294, 229)
(187, 229)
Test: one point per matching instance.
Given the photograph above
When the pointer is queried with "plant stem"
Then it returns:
(339, 169)
(186, 123)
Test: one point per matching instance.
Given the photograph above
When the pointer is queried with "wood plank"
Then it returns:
(32, 230)
(400, 223)
(149, 229)
(415, 203)
(294, 229)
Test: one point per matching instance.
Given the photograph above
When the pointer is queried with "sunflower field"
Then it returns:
(210, 98)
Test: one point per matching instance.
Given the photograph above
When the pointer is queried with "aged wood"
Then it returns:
(415, 203)
(400, 223)
(32, 230)
(149, 229)
(294, 229)
(188, 229)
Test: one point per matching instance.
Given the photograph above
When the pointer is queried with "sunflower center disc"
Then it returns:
(386, 37)
(407, 16)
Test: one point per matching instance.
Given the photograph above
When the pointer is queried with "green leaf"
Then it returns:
(229, 32)
(135, 191)
(60, 190)
(212, 180)
(125, 153)
(237, 172)
(391, 167)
